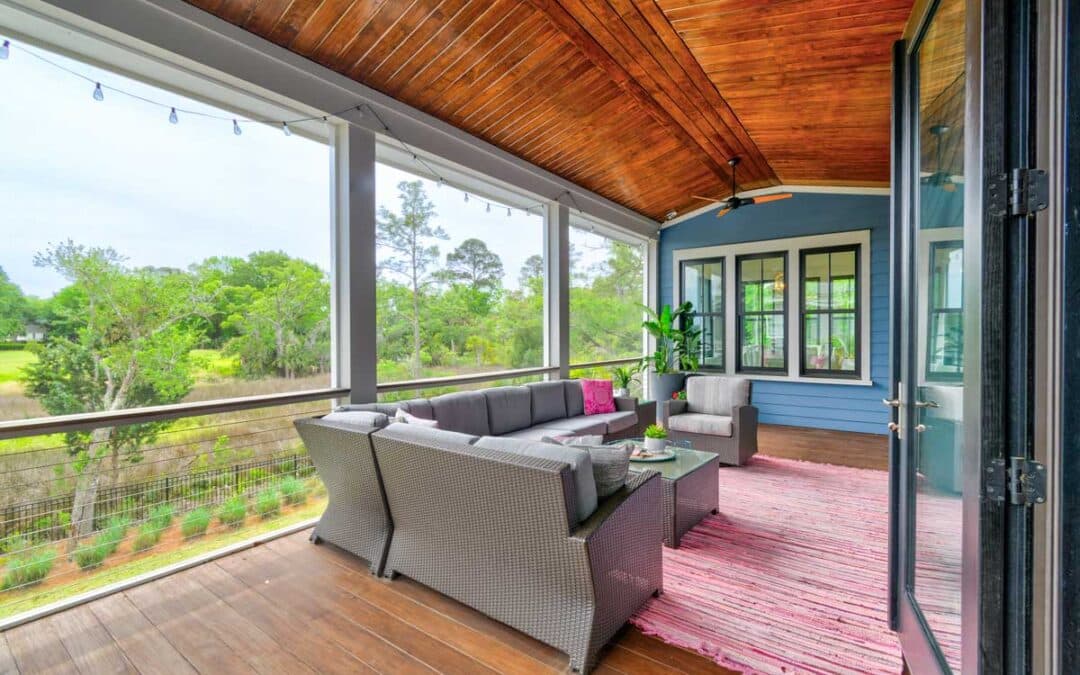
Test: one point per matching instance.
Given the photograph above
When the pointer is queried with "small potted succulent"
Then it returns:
(622, 378)
(655, 438)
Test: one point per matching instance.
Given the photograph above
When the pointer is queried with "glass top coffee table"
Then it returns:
(691, 488)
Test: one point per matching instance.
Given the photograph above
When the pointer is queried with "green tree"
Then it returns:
(532, 271)
(124, 343)
(13, 308)
(475, 264)
(407, 238)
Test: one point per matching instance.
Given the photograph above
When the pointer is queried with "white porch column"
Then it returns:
(557, 288)
(353, 260)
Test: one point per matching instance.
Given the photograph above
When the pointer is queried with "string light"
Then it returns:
(359, 109)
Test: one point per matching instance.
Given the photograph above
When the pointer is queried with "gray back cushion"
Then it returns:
(417, 406)
(509, 409)
(579, 460)
(575, 400)
(548, 401)
(359, 418)
(414, 433)
(715, 395)
(465, 411)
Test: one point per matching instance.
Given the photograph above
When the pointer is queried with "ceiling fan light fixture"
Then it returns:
(670, 215)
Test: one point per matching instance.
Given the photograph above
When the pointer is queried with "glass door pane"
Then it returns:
(936, 444)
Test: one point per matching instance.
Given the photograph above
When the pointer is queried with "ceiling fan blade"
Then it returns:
(772, 198)
(722, 212)
(709, 199)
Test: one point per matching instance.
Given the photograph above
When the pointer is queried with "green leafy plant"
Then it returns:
(90, 556)
(623, 377)
(147, 537)
(678, 340)
(293, 491)
(268, 503)
(195, 523)
(25, 570)
(114, 533)
(162, 516)
(233, 512)
(655, 431)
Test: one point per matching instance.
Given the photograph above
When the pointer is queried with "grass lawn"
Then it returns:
(11, 362)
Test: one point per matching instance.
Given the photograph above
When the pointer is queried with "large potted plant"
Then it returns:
(677, 349)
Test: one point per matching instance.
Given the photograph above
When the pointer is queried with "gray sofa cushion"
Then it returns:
(465, 411)
(417, 406)
(579, 461)
(538, 433)
(582, 424)
(715, 395)
(509, 409)
(418, 434)
(616, 421)
(575, 400)
(548, 401)
(698, 423)
(359, 418)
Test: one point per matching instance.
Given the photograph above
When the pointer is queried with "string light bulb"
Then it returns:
(488, 209)
(173, 117)
(5, 49)
(466, 197)
(440, 183)
(236, 128)
(507, 211)
(99, 95)
(285, 129)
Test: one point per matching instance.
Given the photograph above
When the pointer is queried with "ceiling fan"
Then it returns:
(734, 202)
(940, 178)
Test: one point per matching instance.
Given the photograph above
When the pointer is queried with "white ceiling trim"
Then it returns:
(774, 189)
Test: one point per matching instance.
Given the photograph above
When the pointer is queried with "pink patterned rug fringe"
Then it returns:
(790, 577)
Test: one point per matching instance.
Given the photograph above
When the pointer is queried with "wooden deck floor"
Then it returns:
(291, 607)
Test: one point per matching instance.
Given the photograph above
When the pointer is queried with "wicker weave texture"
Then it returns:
(492, 530)
(356, 518)
(689, 499)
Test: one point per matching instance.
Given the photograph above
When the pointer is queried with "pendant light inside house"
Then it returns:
(173, 118)
(99, 95)
(236, 128)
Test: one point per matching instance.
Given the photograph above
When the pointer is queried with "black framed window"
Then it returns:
(829, 312)
(945, 313)
(703, 285)
(761, 310)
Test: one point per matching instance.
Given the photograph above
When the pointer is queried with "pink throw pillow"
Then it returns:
(599, 397)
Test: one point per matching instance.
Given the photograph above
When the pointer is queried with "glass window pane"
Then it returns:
(752, 349)
(750, 284)
(692, 288)
(712, 299)
(842, 342)
(815, 343)
(607, 278)
(773, 341)
(842, 277)
(712, 341)
(772, 272)
(815, 274)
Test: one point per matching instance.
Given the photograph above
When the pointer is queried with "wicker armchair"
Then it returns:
(356, 518)
(717, 416)
(495, 531)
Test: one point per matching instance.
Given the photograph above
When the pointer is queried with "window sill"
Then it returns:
(796, 379)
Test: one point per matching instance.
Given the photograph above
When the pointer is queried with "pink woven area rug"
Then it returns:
(790, 577)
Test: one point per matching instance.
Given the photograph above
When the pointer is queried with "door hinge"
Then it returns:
(1022, 483)
(1028, 191)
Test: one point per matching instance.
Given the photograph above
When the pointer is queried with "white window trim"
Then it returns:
(926, 238)
(791, 247)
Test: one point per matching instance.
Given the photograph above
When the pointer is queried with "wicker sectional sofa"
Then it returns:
(479, 510)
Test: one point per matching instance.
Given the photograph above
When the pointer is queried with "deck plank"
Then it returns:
(7, 659)
(36, 648)
(89, 645)
(143, 644)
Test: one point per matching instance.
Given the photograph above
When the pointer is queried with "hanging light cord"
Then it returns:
(176, 111)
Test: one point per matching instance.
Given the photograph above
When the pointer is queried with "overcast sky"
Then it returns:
(116, 173)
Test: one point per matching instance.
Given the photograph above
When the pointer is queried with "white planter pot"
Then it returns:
(621, 393)
(656, 445)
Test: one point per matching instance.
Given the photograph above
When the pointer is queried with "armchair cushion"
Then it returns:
(579, 460)
(548, 401)
(698, 423)
(359, 418)
(715, 395)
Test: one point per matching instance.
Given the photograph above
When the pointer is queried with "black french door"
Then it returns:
(963, 358)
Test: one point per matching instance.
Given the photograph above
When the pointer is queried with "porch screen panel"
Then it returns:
(762, 323)
(703, 285)
(830, 312)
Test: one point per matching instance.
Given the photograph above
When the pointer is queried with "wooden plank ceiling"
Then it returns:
(642, 101)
